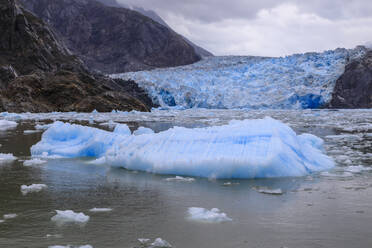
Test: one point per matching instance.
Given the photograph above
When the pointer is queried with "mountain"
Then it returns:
(154, 16)
(110, 39)
(300, 81)
(39, 74)
(354, 88)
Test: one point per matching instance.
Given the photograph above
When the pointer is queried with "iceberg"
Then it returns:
(300, 81)
(261, 148)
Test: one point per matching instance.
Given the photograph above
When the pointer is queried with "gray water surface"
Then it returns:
(321, 210)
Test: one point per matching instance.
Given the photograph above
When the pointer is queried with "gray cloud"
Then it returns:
(267, 27)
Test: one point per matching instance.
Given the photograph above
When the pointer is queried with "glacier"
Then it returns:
(300, 81)
(260, 148)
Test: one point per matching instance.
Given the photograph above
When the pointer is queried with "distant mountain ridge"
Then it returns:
(112, 40)
(154, 16)
(39, 74)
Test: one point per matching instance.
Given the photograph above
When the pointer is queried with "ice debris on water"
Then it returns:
(69, 216)
(100, 210)
(32, 188)
(180, 179)
(143, 130)
(299, 81)
(161, 243)
(31, 131)
(6, 125)
(9, 216)
(242, 149)
(34, 161)
(209, 216)
(7, 157)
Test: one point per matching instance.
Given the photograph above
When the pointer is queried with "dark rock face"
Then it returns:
(113, 40)
(354, 88)
(38, 74)
(154, 16)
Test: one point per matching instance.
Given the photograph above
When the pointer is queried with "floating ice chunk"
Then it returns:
(6, 125)
(100, 210)
(243, 149)
(161, 243)
(122, 129)
(143, 241)
(31, 131)
(6, 158)
(180, 179)
(32, 188)
(54, 236)
(1, 221)
(69, 216)
(265, 190)
(34, 161)
(143, 130)
(204, 215)
(9, 216)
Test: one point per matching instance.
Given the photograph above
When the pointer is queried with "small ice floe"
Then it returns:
(268, 191)
(98, 161)
(43, 126)
(357, 169)
(209, 216)
(57, 236)
(31, 131)
(100, 210)
(69, 216)
(144, 241)
(6, 158)
(32, 188)
(1, 221)
(161, 243)
(180, 179)
(9, 216)
(228, 184)
(70, 246)
(6, 125)
(34, 161)
(143, 130)
(110, 124)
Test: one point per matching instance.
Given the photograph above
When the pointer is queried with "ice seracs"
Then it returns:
(69, 216)
(209, 216)
(242, 149)
(32, 188)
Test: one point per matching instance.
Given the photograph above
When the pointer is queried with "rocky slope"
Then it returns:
(354, 88)
(110, 39)
(38, 74)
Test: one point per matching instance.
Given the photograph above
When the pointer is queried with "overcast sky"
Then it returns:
(267, 27)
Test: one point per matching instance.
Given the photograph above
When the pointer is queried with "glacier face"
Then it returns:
(261, 148)
(299, 81)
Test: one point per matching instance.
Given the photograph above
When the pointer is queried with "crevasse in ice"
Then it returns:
(242, 149)
(299, 81)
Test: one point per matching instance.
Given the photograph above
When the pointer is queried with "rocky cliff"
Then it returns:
(38, 74)
(112, 40)
(354, 88)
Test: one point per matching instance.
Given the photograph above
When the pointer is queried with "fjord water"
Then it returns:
(331, 209)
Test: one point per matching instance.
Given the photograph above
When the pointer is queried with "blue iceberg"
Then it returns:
(261, 148)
